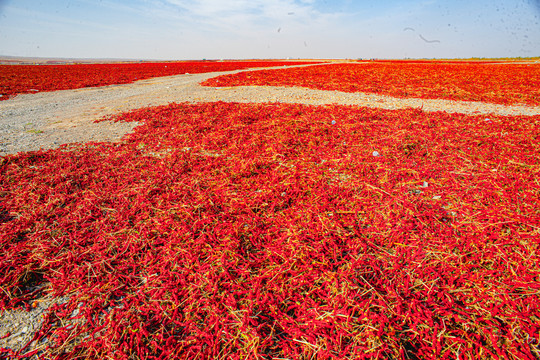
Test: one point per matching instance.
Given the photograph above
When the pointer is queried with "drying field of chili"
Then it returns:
(272, 231)
(22, 79)
(501, 83)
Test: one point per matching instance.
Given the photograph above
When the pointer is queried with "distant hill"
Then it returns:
(21, 60)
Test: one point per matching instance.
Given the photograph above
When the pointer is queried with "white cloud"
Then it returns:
(187, 29)
(248, 15)
(220, 8)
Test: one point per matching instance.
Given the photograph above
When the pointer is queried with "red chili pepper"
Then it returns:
(269, 231)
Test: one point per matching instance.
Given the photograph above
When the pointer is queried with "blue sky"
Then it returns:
(240, 29)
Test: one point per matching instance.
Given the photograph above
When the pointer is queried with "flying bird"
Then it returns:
(408, 28)
(429, 41)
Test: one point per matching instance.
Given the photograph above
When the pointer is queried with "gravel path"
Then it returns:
(48, 119)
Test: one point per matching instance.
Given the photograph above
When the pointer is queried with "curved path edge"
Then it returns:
(49, 119)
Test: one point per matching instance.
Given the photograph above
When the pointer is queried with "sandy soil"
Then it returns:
(48, 119)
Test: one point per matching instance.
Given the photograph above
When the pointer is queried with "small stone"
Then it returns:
(425, 184)
(17, 339)
(24, 330)
(436, 197)
(376, 153)
(333, 122)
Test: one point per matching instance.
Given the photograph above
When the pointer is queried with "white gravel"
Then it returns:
(48, 119)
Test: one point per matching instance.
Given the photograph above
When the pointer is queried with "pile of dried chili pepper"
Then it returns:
(500, 83)
(226, 230)
(23, 79)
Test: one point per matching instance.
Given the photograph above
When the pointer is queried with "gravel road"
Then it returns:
(48, 119)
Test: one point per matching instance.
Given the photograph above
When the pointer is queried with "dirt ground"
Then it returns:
(49, 119)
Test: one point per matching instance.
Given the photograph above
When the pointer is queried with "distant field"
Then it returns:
(226, 230)
(495, 82)
(22, 79)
